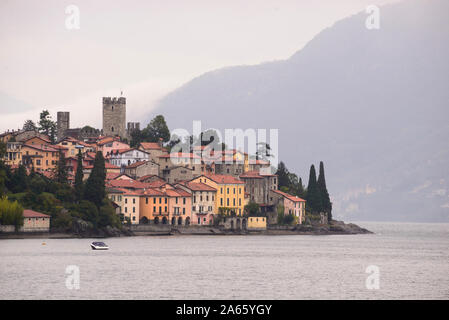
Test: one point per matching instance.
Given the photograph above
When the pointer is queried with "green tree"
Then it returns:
(79, 184)
(283, 175)
(252, 209)
(46, 125)
(19, 180)
(156, 129)
(313, 194)
(94, 190)
(2, 150)
(61, 170)
(29, 125)
(11, 213)
(324, 194)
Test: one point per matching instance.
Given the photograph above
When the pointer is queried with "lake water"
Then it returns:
(412, 259)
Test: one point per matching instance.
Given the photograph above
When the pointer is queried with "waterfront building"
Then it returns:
(230, 197)
(292, 204)
(203, 201)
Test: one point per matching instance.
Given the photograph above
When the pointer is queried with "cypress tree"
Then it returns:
(61, 170)
(95, 187)
(79, 185)
(324, 194)
(313, 194)
(283, 176)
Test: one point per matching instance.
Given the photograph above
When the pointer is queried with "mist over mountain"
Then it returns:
(372, 104)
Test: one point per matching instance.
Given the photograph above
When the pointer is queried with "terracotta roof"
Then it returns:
(289, 196)
(107, 165)
(151, 146)
(149, 176)
(177, 193)
(42, 147)
(223, 179)
(112, 175)
(195, 186)
(153, 192)
(33, 214)
(130, 184)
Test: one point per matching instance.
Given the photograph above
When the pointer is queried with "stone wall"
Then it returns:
(114, 117)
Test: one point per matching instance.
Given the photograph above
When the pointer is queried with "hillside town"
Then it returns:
(148, 184)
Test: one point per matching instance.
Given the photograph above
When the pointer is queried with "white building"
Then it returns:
(126, 157)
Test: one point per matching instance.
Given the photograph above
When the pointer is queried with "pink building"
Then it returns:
(292, 204)
(179, 205)
(108, 144)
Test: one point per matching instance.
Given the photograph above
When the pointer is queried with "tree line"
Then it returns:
(316, 194)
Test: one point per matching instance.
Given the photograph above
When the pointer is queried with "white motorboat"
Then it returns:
(99, 246)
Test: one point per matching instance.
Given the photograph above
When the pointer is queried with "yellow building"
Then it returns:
(257, 223)
(128, 201)
(230, 192)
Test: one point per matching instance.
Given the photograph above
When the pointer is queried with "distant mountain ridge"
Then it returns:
(372, 104)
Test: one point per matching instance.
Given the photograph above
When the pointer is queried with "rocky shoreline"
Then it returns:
(333, 228)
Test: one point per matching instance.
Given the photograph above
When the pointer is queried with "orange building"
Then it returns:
(40, 157)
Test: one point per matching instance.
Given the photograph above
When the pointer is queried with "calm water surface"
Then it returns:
(413, 260)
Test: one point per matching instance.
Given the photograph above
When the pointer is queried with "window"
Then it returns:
(183, 210)
(234, 190)
(160, 200)
(126, 209)
(134, 218)
(227, 190)
(112, 129)
(165, 202)
(183, 200)
(227, 202)
(154, 209)
(154, 200)
(134, 200)
(165, 209)
(194, 199)
(221, 201)
(126, 200)
(134, 209)
(234, 202)
(146, 200)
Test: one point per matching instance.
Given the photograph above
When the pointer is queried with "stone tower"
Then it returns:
(62, 124)
(114, 117)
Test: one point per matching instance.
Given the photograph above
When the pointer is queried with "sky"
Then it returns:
(144, 49)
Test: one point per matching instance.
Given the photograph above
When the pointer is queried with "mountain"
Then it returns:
(372, 104)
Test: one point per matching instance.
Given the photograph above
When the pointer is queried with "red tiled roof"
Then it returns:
(289, 196)
(151, 146)
(107, 165)
(223, 179)
(33, 214)
(130, 184)
(112, 175)
(41, 147)
(195, 186)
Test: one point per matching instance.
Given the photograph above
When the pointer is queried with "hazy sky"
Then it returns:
(145, 48)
